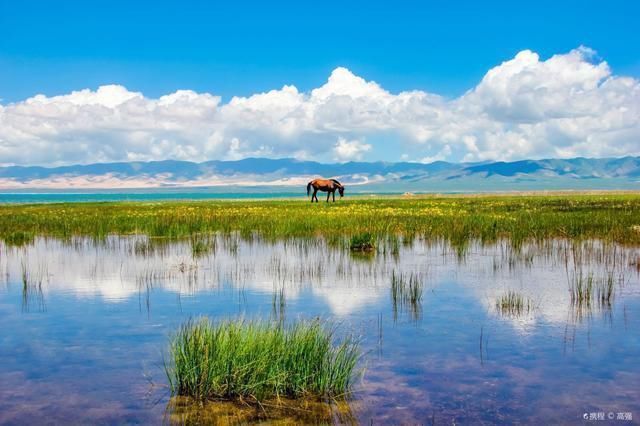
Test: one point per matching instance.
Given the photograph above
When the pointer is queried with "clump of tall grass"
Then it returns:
(406, 287)
(406, 291)
(513, 304)
(364, 242)
(257, 361)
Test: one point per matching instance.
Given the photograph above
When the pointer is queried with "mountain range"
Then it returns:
(264, 174)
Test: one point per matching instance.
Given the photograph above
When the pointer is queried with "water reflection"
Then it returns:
(406, 295)
(119, 268)
(32, 294)
(183, 411)
(476, 334)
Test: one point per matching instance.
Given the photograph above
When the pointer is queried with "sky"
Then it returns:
(84, 82)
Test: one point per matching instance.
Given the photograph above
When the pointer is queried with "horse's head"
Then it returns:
(341, 191)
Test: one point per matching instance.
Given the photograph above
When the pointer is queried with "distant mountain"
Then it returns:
(575, 173)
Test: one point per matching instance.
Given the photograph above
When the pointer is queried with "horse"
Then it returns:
(327, 185)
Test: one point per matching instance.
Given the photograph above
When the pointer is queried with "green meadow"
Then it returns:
(457, 219)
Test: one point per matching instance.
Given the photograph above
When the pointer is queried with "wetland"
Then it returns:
(483, 309)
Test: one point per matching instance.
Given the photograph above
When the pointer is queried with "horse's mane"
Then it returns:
(336, 182)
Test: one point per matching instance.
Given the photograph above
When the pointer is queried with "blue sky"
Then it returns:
(238, 48)
(417, 81)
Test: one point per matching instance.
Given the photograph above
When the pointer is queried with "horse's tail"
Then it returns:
(309, 188)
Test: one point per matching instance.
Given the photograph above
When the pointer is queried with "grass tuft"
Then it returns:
(406, 291)
(513, 304)
(364, 242)
(257, 361)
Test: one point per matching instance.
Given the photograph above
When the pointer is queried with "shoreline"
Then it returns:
(143, 196)
(611, 216)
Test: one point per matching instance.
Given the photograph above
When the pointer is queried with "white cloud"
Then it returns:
(345, 150)
(440, 156)
(567, 105)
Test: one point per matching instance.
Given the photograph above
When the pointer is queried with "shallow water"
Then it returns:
(85, 326)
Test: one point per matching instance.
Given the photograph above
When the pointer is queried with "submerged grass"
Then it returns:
(586, 290)
(457, 219)
(406, 292)
(32, 291)
(513, 304)
(201, 246)
(278, 304)
(186, 411)
(256, 361)
(406, 288)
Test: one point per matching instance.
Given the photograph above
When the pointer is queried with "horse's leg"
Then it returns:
(315, 195)
(328, 195)
(334, 195)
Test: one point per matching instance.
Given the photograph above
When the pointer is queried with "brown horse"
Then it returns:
(327, 185)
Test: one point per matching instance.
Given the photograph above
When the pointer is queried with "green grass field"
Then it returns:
(454, 218)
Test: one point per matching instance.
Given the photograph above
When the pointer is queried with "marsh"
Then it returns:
(87, 323)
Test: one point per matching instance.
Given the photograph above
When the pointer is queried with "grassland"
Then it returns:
(456, 219)
(258, 361)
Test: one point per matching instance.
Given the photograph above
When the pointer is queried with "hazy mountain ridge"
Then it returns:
(283, 172)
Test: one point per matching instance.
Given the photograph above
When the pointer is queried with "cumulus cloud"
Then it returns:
(345, 150)
(568, 105)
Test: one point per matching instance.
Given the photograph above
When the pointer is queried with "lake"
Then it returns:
(86, 323)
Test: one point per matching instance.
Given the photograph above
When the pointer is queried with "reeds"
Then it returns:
(406, 292)
(513, 304)
(256, 361)
(32, 291)
(201, 246)
(18, 238)
(278, 304)
(586, 290)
